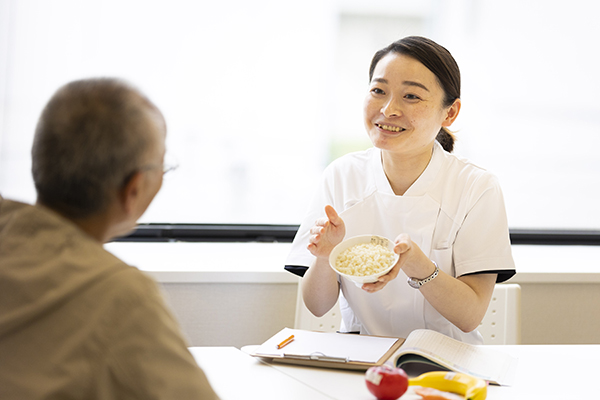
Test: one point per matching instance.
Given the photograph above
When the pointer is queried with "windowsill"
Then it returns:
(556, 264)
(208, 262)
(185, 262)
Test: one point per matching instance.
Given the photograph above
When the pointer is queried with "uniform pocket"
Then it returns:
(443, 258)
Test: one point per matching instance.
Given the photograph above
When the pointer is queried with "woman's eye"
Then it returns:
(377, 91)
(412, 97)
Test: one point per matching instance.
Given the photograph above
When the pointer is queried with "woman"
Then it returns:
(447, 215)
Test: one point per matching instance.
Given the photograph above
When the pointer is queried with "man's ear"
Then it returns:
(130, 192)
(452, 113)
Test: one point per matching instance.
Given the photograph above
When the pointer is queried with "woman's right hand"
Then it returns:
(327, 233)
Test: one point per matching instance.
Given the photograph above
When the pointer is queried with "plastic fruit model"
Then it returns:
(465, 385)
(386, 382)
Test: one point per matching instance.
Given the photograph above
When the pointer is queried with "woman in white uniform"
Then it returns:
(447, 215)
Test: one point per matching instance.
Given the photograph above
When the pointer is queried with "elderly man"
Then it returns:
(75, 321)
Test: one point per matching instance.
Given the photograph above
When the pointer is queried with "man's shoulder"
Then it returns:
(128, 282)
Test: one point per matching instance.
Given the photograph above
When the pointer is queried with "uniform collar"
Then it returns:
(423, 182)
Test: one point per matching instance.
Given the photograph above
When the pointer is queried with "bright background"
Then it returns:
(259, 96)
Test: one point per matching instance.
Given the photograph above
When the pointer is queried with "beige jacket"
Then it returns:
(78, 323)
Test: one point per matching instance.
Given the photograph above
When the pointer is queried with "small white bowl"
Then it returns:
(359, 280)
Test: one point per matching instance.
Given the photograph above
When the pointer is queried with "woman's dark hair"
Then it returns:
(439, 61)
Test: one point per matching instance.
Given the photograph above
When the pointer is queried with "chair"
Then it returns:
(502, 321)
(329, 322)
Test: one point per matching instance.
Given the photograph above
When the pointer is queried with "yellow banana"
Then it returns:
(465, 385)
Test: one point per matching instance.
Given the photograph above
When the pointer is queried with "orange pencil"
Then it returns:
(286, 342)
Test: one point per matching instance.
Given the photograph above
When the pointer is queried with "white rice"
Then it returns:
(364, 259)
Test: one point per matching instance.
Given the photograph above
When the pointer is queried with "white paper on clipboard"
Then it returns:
(327, 345)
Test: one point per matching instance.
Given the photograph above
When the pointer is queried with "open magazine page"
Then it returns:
(489, 364)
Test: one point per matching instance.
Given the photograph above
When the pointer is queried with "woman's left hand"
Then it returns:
(412, 260)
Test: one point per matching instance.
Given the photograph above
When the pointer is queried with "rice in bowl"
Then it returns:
(364, 259)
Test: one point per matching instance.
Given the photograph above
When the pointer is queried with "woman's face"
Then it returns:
(404, 107)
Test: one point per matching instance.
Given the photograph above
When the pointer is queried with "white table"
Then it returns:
(544, 372)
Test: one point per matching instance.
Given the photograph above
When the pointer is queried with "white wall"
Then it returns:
(238, 293)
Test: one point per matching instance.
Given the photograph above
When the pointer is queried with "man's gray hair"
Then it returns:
(90, 139)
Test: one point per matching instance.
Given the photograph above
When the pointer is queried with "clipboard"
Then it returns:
(329, 349)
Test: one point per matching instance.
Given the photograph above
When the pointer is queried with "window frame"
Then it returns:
(265, 233)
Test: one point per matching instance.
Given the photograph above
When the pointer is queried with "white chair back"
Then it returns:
(502, 321)
(329, 322)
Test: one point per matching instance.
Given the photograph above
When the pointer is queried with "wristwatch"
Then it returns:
(417, 283)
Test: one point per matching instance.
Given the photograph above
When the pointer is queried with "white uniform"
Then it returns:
(454, 212)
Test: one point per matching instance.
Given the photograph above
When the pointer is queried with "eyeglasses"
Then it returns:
(169, 167)
(165, 167)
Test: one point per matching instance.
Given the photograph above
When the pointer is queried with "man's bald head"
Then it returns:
(91, 137)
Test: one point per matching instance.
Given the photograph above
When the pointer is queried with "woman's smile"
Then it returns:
(390, 128)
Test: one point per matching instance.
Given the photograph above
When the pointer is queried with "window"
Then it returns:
(260, 96)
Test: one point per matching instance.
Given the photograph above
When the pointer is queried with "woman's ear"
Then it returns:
(452, 113)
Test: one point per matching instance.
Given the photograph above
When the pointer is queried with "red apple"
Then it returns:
(386, 382)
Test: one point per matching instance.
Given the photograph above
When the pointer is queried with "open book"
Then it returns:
(438, 351)
(421, 347)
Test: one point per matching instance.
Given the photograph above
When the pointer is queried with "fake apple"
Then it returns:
(386, 382)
